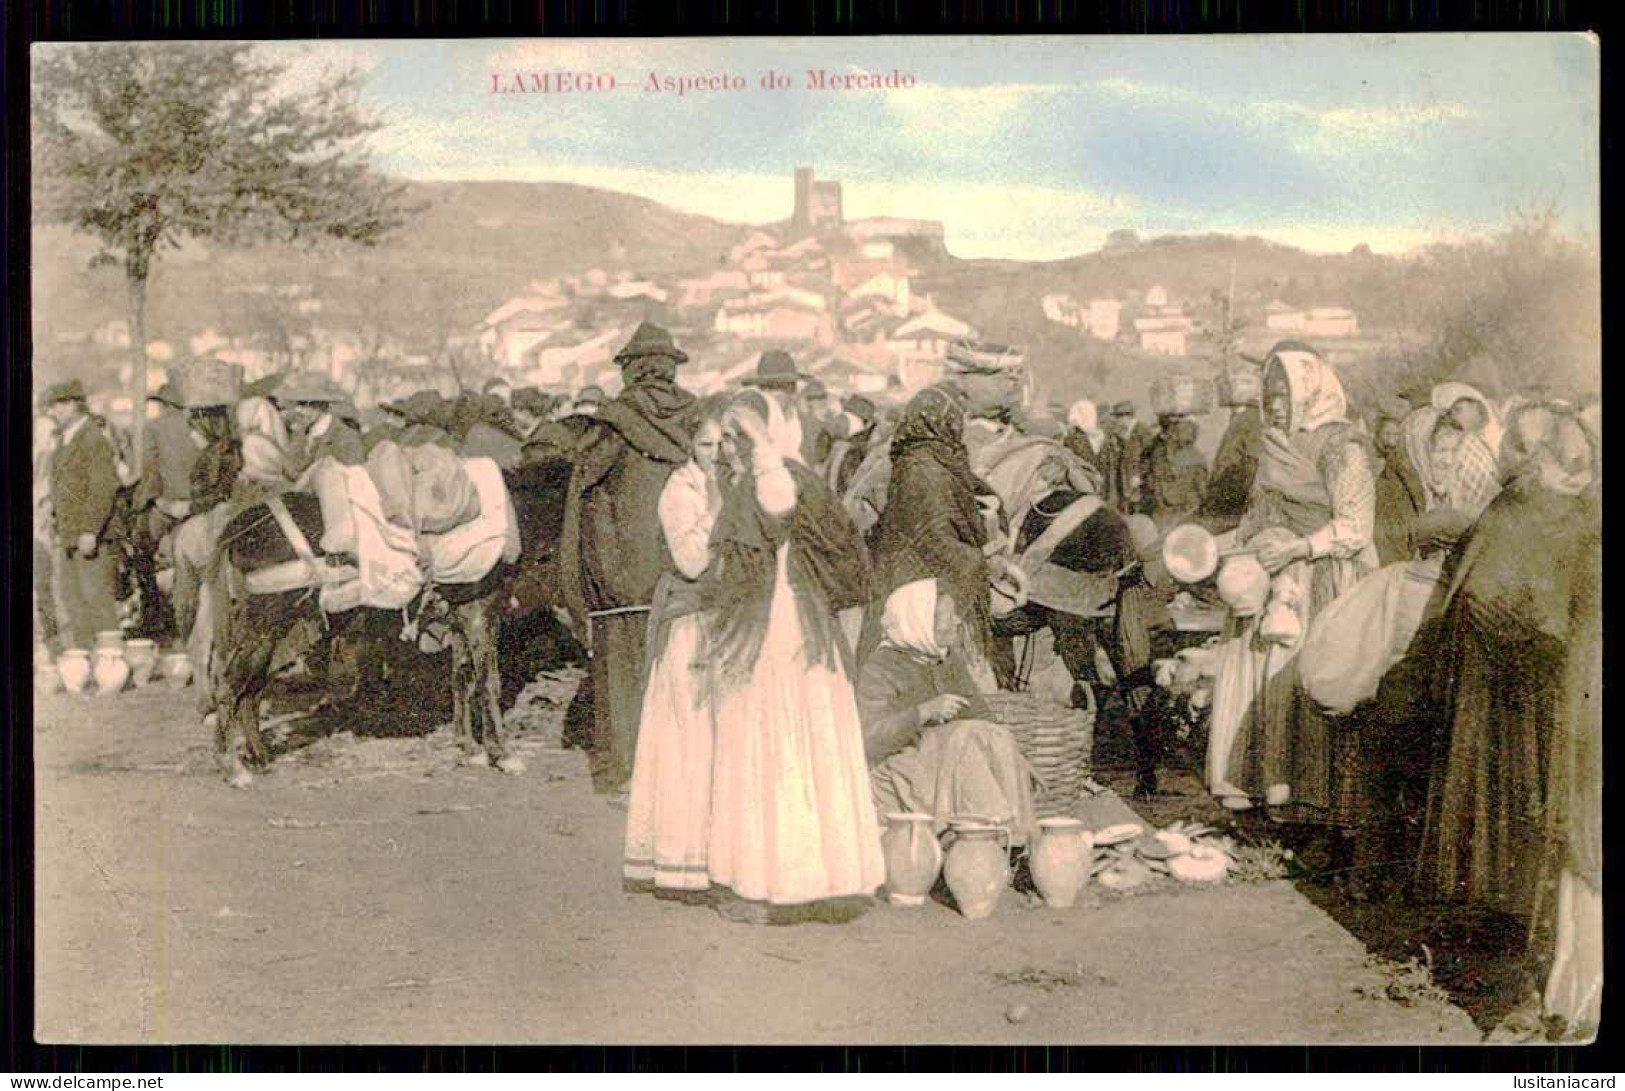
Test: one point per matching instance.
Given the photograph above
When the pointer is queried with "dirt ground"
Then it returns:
(370, 889)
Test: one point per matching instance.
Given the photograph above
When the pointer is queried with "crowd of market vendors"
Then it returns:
(795, 603)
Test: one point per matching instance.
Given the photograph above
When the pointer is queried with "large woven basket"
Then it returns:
(1057, 741)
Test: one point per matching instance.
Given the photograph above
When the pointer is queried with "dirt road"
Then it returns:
(372, 890)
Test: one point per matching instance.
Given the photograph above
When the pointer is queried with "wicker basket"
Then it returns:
(205, 383)
(1057, 742)
(1184, 395)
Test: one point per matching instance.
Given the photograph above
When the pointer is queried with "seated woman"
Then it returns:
(928, 752)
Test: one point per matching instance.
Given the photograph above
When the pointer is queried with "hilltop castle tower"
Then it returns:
(818, 204)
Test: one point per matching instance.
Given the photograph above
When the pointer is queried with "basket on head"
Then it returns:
(206, 384)
(1182, 395)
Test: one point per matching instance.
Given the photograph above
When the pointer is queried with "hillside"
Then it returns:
(473, 245)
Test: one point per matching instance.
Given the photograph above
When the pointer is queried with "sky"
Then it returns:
(1031, 148)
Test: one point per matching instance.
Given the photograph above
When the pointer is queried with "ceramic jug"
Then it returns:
(913, 857)
(111, 671)
(46, 678)
(977, 867)
(142, 656)
(177, 669)
(1061, 859)
(73, 667)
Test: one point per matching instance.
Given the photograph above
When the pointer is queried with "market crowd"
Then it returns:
(1410, 659)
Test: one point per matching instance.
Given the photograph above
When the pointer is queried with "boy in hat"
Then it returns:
(84, 485)
(611, 550)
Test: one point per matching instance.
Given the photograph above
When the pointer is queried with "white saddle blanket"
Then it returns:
(393, 563)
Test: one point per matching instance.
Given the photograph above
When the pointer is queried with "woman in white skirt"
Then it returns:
(668, 813)
(793, 828)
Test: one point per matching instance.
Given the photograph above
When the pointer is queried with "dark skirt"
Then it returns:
(1488, 840)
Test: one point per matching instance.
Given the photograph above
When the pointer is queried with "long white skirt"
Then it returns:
(669, 812)
(1574, 987)
(792, 817)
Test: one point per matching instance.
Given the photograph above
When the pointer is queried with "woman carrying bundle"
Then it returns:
(1310, 519)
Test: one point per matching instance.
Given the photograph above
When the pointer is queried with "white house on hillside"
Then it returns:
(1165, 335)
(1103, 318)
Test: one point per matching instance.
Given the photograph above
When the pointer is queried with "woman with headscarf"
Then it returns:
(669, 810)
(1476, 416)
(793, 831)
(264, 439)
(930, 749)
(1310, 519)
(933, 527)
(1511, 798)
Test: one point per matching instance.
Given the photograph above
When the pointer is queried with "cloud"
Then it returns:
(1347, 130)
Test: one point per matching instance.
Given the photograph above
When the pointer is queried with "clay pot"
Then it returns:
(913, 857)
(46, 679)
(176, 668)
(111, 671)
(142, 656)
(73, 667)
(110, 638)
(977, 867)
(1061, 860)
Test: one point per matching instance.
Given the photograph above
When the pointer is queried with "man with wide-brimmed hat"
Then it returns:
(777, 376)
(84, 486)
(612, 551)
(315, 431)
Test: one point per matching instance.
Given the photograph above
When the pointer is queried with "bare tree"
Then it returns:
(144, 145)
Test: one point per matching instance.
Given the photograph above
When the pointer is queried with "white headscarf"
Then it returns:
(1317, 393)
(1085, 417)
(264, 438)
(909, 621)
(1446, 395)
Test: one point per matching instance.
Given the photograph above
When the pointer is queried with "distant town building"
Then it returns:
(1156, 296)
(894, 227)
(1103, 318)
(1164, 335)
(818, 204)
(1331, 322)
(511, 331)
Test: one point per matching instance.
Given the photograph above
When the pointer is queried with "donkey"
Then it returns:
(250, 627)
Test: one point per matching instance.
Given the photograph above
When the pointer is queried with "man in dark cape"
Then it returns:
(612, 552)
